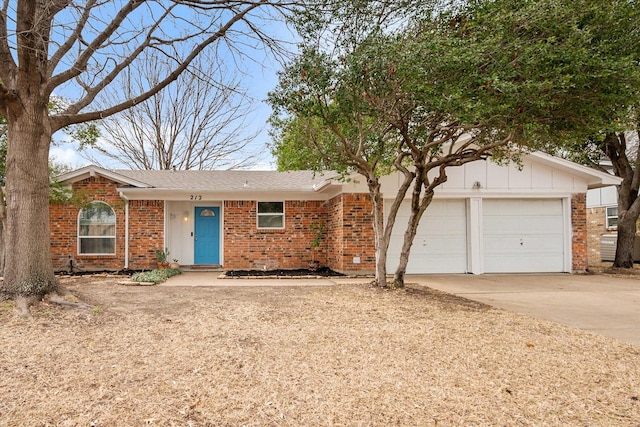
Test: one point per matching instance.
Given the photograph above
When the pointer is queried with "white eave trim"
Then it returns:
(593, 178)
(197, 195)
(93, 170)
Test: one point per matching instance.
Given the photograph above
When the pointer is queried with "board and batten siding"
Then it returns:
(493, 218)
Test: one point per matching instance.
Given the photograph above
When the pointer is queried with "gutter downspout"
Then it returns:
(126, 231)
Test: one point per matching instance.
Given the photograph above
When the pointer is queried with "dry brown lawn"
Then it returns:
(348, 355)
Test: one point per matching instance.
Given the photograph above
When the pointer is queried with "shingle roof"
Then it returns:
(229, 180)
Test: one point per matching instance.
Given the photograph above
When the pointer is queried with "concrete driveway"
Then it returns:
(601, 304)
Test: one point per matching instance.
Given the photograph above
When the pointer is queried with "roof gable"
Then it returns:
(92, 171)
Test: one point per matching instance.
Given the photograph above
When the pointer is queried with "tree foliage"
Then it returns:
(593, 50)
(441, 89)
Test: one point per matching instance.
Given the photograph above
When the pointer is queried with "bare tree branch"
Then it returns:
(72, 39)
(7, 63)
(165, 132)
(72, 114)
(81, 63)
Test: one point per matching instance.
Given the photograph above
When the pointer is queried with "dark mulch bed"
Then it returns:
(301, 272)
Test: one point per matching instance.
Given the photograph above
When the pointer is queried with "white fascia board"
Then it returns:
(93, 170)
(502, 194)
(201, 195)
(594, 178)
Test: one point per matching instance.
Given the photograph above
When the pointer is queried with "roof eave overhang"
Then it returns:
(197, 195)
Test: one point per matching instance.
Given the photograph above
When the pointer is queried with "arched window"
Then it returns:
(97, 230)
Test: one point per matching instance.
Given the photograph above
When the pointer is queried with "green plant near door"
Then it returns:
(162, 256)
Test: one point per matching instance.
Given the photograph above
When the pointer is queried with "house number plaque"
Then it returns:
(195, 197)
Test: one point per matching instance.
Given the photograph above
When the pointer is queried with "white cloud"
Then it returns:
(67, 156)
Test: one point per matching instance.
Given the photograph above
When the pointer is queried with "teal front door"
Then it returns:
(207, 236)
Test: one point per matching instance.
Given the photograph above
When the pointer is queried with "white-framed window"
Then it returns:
(270, 214)
(612, 217)
(97, 230)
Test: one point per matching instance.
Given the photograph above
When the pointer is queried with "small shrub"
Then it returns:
(155, 276)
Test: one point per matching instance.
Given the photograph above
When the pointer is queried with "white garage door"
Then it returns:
(440, 245)
(523, 236)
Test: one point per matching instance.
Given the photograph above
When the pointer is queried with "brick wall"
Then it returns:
(351, 233)
(335, 236)
(146, 232)
(247, 247)
(145, 224)
(596, 227)
(579, 237)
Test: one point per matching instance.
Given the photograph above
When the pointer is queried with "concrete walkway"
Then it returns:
(609, 306)
(600, 304)
(198, 278)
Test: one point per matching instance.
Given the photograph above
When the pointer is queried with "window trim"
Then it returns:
(609, 217)
(113, 237)
(258, 215)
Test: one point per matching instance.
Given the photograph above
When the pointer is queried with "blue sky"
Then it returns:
(258, 76)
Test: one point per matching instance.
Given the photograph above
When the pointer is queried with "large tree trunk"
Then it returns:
(381, 243)
(626, 240)
(3, 228)
(628, 168)
(28, 269)
(417, 209)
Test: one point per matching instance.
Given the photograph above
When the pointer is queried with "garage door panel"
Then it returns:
(523, 236)
(541, 263)
(528, 245)
(441, 239)
(507, 225)
(523, 207)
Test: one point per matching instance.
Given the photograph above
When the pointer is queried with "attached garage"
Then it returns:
(517, 236)
(440, 245)
(528, 217)
(523, 236)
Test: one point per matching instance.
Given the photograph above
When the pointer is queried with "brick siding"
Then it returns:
(146, 232)
(579, 236)
(146, 221)
(348, 233)
(351, 233)
(596, 227)
(247, 247)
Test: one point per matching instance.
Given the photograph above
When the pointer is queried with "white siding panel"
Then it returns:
(523, 236)
(440, 245)
(475, 171)
(541, 176)
(497, 176)
(563, 180)
(520, 178)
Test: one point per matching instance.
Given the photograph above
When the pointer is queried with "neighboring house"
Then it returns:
(602, 225)
(486, 218)
(602, 222)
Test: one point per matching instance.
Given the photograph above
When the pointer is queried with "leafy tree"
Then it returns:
(587, 56)
(371, 112)
(445, 89)
(621, 150)
(82, 48)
